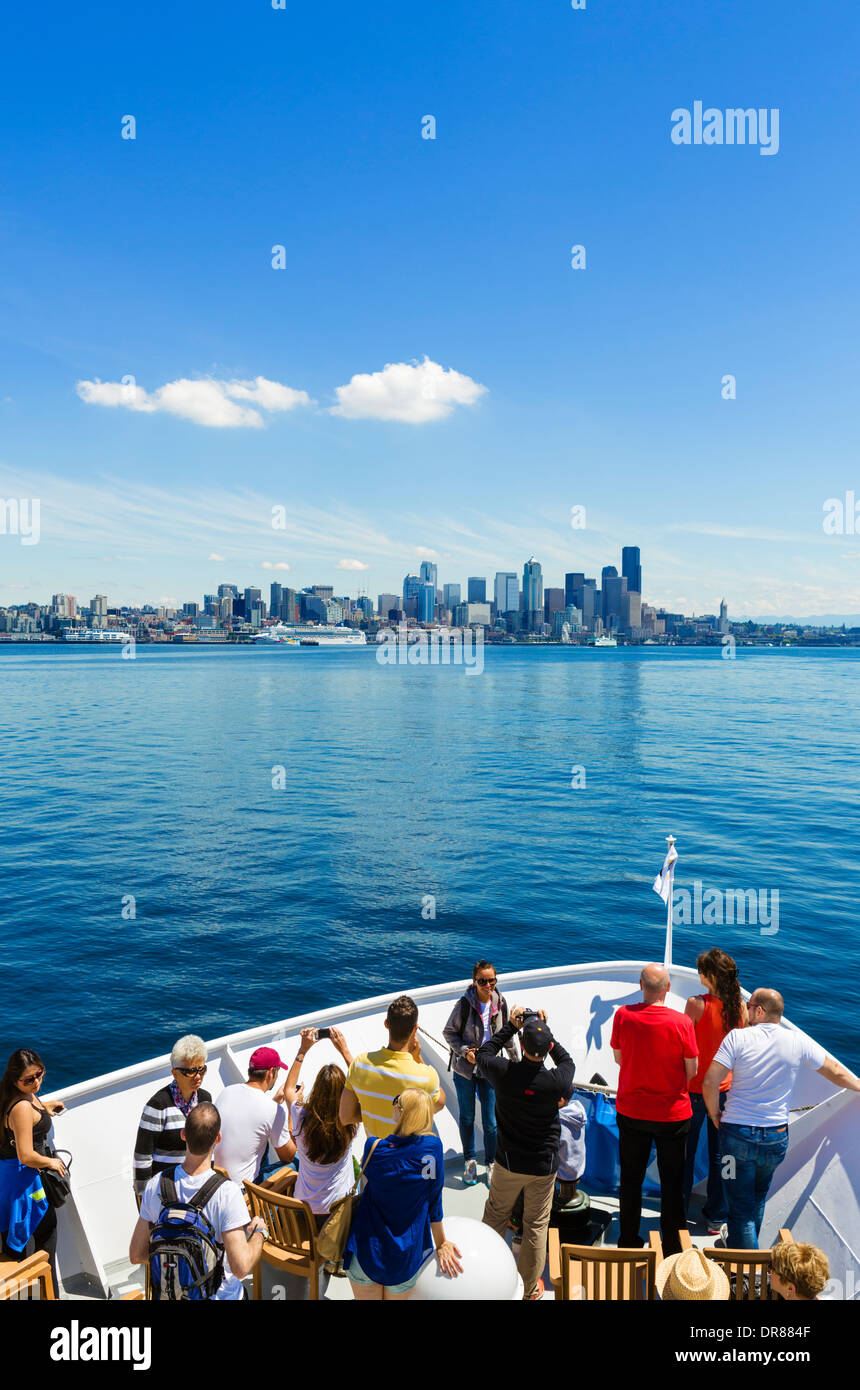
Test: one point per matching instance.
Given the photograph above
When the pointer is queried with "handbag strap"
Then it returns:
(365, 1163)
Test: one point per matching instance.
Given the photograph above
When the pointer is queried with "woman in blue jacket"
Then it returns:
(398, 1221)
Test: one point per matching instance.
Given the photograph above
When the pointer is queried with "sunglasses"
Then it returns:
(191, 1071)
(490, 981)
(28, 1080)
(396, 1102)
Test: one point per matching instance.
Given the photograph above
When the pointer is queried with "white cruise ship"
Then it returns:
(312, 635)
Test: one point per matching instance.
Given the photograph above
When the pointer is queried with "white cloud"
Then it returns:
(351, 565)
(278, 565)
(209, 401)
(415, 392)
(425, 553)
(219, 559)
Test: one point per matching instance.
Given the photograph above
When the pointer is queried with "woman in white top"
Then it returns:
(323, 1144)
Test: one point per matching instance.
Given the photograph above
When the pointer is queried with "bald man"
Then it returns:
(764, 1060)
(655, 1048)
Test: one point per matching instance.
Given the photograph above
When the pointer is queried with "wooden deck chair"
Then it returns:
(18, 1277)
(598, 1273)
(292, 1244)
(748, 1270)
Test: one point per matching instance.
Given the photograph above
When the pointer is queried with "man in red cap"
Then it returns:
(251, 1119)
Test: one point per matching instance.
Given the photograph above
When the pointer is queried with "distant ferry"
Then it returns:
(94, 634)
(311, 635)
(602, 642)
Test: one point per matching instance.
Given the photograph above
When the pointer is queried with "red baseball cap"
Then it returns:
(264, 1058)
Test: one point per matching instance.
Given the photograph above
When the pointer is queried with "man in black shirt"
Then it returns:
(527, 1097)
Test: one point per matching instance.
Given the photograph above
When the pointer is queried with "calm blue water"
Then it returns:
(154, 778)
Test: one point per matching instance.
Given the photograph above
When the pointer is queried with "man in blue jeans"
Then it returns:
(764, 1060)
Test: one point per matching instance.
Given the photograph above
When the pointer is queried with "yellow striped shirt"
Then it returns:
(377, 1078)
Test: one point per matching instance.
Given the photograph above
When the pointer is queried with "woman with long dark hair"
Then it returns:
(714, 1014)
(476, 1016)
(323, 1144)
(27, 1222)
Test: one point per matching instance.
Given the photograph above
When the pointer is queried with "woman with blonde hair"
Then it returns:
(398, 1221)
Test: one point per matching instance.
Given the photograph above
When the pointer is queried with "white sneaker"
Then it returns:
(723, 1241)
(470, 1172)
(490, 1167)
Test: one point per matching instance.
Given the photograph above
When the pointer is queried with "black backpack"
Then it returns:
(185, 1260)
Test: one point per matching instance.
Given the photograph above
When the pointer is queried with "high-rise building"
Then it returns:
(532, 595)
(321, 590)
(191, 610)
(553, 602)
(451, 595)
(211, 605)
(289, 606)
(631, 609)
(225, 589)
(476, 590)
(573, 584)
(99, 606)
(612, 587)
(724, 616)
(225, 609)
(275, 596)
(385, 603)
(631, 568)
(507, 592)
(427, 602)
(427, 573)
(411, 585)
(252, 596)
(365, 606)
(64, 605)
(590, 604)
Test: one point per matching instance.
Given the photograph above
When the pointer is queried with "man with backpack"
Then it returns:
(193, 1230)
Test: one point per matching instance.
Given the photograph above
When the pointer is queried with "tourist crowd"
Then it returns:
(722, 1065)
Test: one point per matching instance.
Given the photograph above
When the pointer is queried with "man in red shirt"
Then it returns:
(655, 1048)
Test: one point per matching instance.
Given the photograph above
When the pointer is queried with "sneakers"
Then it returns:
(715, 1228)
(489, 1173)
(538, 1293)
(470, 1172)
(723, 1238)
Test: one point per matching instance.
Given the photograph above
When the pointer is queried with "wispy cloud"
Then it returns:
(351, 565)
(414, 392)
(208, 401)
(219, 559)
(277, 565)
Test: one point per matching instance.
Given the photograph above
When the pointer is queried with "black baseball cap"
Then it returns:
(537, 1039)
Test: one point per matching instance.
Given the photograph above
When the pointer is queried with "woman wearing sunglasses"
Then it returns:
(480, 1013)
(27, 1222)
(159, 1143)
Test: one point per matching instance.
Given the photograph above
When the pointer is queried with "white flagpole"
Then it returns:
(667, 954)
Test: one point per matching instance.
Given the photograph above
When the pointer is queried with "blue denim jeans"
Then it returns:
(467, 1087)
(756, 1153)
(715, 1208)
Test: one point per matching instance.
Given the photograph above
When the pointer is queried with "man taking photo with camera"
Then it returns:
(527, 1097)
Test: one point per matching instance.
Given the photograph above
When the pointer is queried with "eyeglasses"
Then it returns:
(490, 981)
(28, 1080)
(191, 1071)
(396, 1102)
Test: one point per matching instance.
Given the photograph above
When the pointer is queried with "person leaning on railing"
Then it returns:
(159, 1144)
(27, 1221)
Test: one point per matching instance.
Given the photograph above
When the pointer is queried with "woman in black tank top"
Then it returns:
(25, 1128)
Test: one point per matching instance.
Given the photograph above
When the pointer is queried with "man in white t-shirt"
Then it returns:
(251, 1119)
(764, 1060)
(226, 1210)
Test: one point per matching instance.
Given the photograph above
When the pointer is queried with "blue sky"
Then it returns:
(151, 259)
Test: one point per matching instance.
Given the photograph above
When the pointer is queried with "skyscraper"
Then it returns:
(275, 599)
(573, 588)
(612, 587)
(427, 601)
(451, 595)
(411, 585)
(532, 595)
(427, 573)
(507, 592)
(631, 568)
(553, 602)
(724, 616)
(477, 590)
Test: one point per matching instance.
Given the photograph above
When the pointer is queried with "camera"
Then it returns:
(529, 1013)
(323, 1033)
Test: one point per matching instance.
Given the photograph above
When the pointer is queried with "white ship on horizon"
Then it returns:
(312, 635)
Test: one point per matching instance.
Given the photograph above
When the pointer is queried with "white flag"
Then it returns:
(663, 882)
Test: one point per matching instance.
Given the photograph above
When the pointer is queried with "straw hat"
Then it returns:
(689, 1277)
